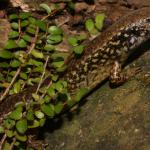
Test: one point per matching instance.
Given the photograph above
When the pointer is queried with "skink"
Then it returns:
(102, 58)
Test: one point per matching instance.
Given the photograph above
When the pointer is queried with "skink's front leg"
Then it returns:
(117, 76)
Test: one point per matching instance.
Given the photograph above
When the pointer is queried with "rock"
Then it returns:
(111, 119)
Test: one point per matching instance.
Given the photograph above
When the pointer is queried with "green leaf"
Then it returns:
(81, 37)
(45, 7)
(17, 87)
(22, 126)
(10, 44)
(23, 75)
(39, 42)
(35, 96)
(4, 65)
(17, 143)
(21, 138)
(13, 16)
(22, 43)
(49, 47)
(30, 115)
(6, 54)
(21, 56)
(1, 77)
(48, 109)
(73, 41)
(1, 129)
(16, 114)
(78, 49)
(65, 84)
(37, 54)
(31, 29)
(94, 31)
(58, 64)
(12, 73)
(70, 103)
(24, 23)
(51, 92)
(9, 123)
(9, 133)
(41, 25)
(39, 114)
(32, 20)
(54, 30)
(13, 34)
(58, 56)
(81, 93)
(24, 15)
(54, 39)
(54, 77)
(42, 122)
(99, 21)
(38, 69)
(89, 24)
(15, 25)
(47, 99)
(58, 107)
(27, 37)
(35, 63)
(59, 86)
(9, 78)
(34, 125)
(61, 69)
(6, 146)
(20, 104)
(15, 63)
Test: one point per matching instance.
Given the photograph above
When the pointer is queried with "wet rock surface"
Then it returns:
(111, 119)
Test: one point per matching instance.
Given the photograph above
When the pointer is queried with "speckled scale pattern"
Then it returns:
(116, 43)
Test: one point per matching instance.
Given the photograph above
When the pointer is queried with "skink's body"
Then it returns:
(95, 65)
(115, 44)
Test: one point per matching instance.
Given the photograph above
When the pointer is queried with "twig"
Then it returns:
(50, 83)
(2, 141)
(45, 65)
(19, 29)
(12, 144)
(64, 22)
(51, 14)
(11, 83)
(34, 42)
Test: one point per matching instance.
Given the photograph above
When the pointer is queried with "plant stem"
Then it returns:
(2, 141)
(45, 65)
(10, 85)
